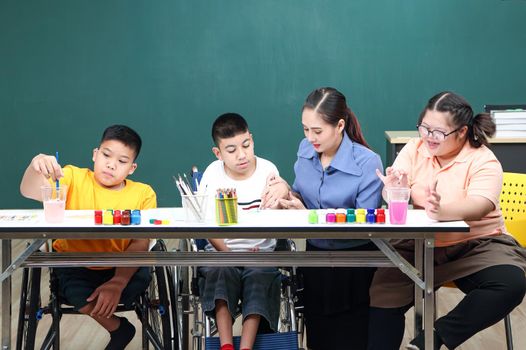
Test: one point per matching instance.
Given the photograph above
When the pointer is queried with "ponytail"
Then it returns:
(353, 129)
(482, 126)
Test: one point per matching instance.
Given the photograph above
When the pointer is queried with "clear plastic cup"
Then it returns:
(194, 207)
(54, 200)
(398, 201)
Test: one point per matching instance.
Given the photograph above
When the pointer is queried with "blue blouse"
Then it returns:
(350, 181)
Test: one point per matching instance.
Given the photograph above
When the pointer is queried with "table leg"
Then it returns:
(6, 296)
(429, 293)
(419, 265)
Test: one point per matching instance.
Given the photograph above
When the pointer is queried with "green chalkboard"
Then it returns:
(167, 68)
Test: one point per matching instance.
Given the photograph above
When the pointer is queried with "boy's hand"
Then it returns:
(292, 202)
(47, 166)
(107, 297)
(276, 188)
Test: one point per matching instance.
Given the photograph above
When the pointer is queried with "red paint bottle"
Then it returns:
(98, 217)
(116, 217)
(380, 216)
(126, 217)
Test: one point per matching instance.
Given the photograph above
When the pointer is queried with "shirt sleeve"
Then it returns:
(150, 199)
(486, 181)
(370, 189)
(67, 179)
(275, 169)
(297, 169)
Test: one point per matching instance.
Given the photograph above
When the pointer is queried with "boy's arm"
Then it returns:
(219, 244)
(41, 168)
(109, 293)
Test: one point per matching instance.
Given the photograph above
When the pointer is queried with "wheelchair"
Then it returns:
(197, 330)
(155, 308)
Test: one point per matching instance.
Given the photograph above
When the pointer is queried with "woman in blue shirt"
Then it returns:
(335, 169)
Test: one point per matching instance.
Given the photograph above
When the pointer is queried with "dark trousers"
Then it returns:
(491, 294)
(337, 305)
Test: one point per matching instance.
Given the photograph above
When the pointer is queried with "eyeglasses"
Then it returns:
(435, 134)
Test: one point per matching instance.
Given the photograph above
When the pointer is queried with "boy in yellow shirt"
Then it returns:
(98, 291)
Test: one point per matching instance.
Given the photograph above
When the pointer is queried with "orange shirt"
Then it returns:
(85, 193)
(474, 172)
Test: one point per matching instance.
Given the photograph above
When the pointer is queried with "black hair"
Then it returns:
(124, 134)
(228, 125)
(480, 126)
(332, 106)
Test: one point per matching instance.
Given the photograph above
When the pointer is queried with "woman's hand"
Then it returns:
(276, 188)
(393, 177)
(432, 205)
(291, 202)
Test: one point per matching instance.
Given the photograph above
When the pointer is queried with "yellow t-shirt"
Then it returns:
(85, 193)
(474, 172)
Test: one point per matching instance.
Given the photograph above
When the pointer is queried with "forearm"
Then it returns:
(219, 244)
(472, 208)
(31, 183)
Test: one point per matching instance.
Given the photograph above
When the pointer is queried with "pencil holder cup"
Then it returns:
(226, 211)
(194, 207)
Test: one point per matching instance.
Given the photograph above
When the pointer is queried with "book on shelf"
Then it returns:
(514, 114)
(510, 121)
(511, 127)
(510, 134)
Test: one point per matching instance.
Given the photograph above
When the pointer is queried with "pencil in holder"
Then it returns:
(226, 210)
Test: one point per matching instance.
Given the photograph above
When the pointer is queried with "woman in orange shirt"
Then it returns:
(453, 175)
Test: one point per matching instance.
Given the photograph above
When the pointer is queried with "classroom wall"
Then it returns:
(167, 68)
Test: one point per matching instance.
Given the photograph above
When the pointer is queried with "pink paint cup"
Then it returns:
(54, 200)
(398, 199)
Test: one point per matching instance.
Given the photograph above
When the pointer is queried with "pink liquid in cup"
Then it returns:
(397, 212)
(54, 210)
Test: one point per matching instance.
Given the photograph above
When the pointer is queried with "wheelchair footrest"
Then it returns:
(271, 341)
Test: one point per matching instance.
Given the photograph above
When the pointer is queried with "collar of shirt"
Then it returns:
(462, 156)
(343, 159)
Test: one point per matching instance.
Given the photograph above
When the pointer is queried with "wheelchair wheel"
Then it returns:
(29, 305)
(182, 298)
(287, 315)
(155, 310)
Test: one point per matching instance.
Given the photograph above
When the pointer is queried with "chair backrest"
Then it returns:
(201, 243)
(513, 205)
